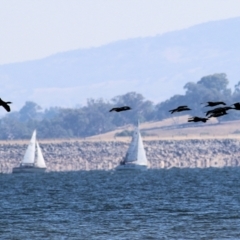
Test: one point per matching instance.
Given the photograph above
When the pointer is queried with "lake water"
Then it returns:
(156, 204)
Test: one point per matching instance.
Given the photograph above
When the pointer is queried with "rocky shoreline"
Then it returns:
(106, 155)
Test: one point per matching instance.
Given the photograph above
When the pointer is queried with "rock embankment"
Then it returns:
(84, 155)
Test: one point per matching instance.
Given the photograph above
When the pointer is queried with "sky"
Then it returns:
(34, 29)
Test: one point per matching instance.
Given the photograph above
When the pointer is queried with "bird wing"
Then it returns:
(218, 103)
(237, 106)
(184, 109)
(180, 107)
(7, 107)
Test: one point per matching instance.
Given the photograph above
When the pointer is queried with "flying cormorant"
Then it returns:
(197, 119)
(237, 106)
(218, 110)
(5, 105)
(217, 114)
(120, 109)
(212, 104)
(180, 109)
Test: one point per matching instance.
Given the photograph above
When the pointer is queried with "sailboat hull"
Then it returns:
(28, 170)
(131, 167)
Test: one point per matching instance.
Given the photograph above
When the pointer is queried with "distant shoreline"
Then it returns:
(74, 155)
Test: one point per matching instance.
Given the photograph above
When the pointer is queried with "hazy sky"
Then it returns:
(32, 29)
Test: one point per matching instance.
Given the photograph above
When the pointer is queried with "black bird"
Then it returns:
(212, 104)
(5, 105)
(218, 110)
(236, 105)
(179, 109)
(120, 109)
(218, 114)
(197, 119)
(182, 106)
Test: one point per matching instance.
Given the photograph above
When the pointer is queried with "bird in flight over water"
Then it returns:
(180, 109)
(212, 104)
(120, 109)
(5, 105)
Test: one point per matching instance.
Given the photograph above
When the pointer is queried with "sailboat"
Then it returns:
(135, 158)
(30, 163)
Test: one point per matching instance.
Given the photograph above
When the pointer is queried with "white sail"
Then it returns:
(141, 158)
(136, 152)
(131, 155)
(30, 152)
(40, 160)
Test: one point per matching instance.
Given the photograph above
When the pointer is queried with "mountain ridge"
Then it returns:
(158, 67)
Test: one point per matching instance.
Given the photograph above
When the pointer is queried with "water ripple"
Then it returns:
(156, 204)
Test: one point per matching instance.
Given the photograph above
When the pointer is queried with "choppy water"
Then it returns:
(157, 204)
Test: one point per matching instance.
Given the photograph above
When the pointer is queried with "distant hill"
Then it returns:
(174, 130)
(158, 67)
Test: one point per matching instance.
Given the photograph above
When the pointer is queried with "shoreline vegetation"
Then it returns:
(90, 138)
(94, 117)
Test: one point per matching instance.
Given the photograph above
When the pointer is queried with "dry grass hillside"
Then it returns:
(179, 128)
(176, 128)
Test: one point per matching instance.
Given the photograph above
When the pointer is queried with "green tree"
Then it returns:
(208, 88)
(216, 81)
(30, 111)
(141, 109)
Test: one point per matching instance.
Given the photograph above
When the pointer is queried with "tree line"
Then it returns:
(94, 118)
